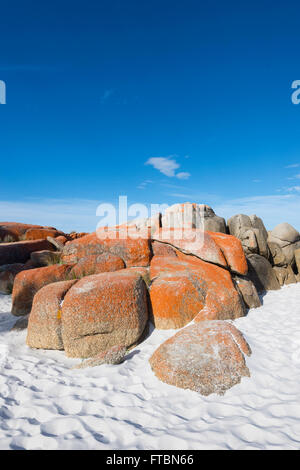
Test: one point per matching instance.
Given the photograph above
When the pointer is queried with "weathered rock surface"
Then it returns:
(102, 311)
(27, 284)
(113, 356)
(42, 233)
(261, 273)
(14, 231)
(96, 264)
(191, 215)
(248, 292)
(20, 252)
(44, 328)
(285, 275)
(252, 233)
(207, 290)
(133, 251)
(207, 357)
(45, 258)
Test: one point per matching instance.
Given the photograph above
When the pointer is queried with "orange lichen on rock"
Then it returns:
(96, 264)
(102, 311)
(44, 326)
(211, 287)
(207, 357)
(27, 284)
(232, 250)
(133, 251)
(41, 234)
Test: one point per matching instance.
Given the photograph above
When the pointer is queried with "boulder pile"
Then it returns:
(93, 295)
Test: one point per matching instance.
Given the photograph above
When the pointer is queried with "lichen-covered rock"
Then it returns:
(14, 231)
(207, 357)
(232, 250)
(102, 311)
(27, 284)
(96, 264)
(20, 252)
(175, 299)
(42, 233)
(135, 251)
(44, 328)
(162, 249)
(261, 273)
(207, 291)
(114, 356)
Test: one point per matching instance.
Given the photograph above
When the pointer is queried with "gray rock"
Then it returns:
(8, 273)
(286, 232)
(252, 233)
(261, 273)
(192, 215)
(297, 258)
(277, 257)
(248, 292)
(284, 275)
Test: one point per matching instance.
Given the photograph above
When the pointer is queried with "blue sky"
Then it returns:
(162, 101)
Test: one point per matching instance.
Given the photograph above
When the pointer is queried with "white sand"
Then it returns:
(45, 405)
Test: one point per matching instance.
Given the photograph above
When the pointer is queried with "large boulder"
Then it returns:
(287, 238)
(261, 273)
(220, 249)
(42, 233)
(14, 231)
(20, 252)
(8, 273)
(277, 257)
(27, 284)
(207, 357)
(134, 251)
(252, 233)
(44, 327)
(207, 292)
(102, 311)
(192, 215)
(96, 264)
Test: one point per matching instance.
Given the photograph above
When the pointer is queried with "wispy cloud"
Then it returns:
(257, 181)
(293, 165)
(167, 166)
(144, 184)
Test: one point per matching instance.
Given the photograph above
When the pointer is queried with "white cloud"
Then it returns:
(167, 166)
(293, 188)
(183, 175)
(257, 181)
(294, 165)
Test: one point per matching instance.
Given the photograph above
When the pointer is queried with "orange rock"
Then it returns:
(27, 283)
(211, 287)
(19, 252)
(14, 231)
(162, 249)
(96, 264)
(232, 250)
(102, 311)
(133, 251)
(41, 234)
(192, 241)
(44, 327)
(175, 300)
(207, 357)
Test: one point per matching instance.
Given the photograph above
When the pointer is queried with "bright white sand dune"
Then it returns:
(45, 405)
